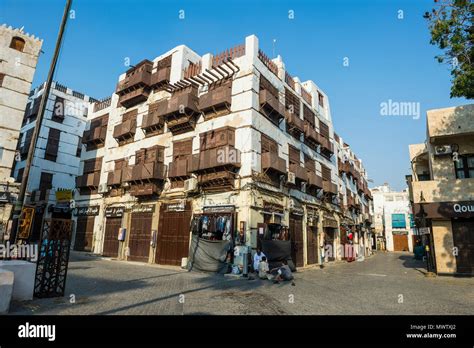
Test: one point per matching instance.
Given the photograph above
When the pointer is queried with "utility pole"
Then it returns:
(39, 120)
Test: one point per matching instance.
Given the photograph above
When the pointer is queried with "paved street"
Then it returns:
(387, 283)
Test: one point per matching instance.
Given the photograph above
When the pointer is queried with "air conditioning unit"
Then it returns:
(103, 188)
(441, 150)
(190, 185)
(291, 179)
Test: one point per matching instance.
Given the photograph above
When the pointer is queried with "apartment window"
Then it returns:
(79, 147)
(52, 145)
(268, 145)
(320, 99)
(424, 177)
(398, 221)
(17, 43)
(464, 167)
(294, 155)
(19, 176)
(46, 183)
(309, 163)
(325, 173)
(324, 129)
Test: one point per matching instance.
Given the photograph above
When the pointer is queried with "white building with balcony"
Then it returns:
(393, 218)
(55, 164)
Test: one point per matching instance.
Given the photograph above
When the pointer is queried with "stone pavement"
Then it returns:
(386, 283)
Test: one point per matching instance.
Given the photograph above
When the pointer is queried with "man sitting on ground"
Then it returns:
(283, 273)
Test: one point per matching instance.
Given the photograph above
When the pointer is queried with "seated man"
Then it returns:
(283, 272)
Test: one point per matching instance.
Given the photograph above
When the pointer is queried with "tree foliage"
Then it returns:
(451, 25)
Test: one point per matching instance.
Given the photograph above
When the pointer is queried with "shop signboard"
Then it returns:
(176, 206)
(399, 232)
(92, 210)
(446, 210)
(219, 209)
(143, 208)
(112, 212)
(26, 221)
(5, 197)
(63, 195)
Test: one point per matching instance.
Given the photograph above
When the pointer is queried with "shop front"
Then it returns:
(273, 236)
(295, 227)
(213, 239)
(140, 234)
(451, 232)
(113, 225)
(312, 247)
(173, 232)
(330, 226)
(85, 222)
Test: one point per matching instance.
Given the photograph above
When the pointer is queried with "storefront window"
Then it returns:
(213, 226)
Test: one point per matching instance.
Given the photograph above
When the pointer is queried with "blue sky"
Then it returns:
(389, 58)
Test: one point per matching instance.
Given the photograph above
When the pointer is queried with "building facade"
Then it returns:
(442, 188)
(224, 148)
(56, 158)
(393, 219)
(19, 53)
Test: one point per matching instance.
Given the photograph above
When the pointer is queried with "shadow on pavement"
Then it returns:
(409, 261)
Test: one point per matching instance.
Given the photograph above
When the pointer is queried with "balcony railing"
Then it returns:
(314, 180)
(344, 167)
(299, 171)
(350, 202)
(153, 122)
(212, 159)
(217, 99)
(95, 135)
(90, 180)
(180, 168)
(146, 189)
(144, 172)
(217, 180)
(268, 62)
(272, 162)
(125, 130)
(114, 178)
(131, 98)
(311, 134)
(294, 123)
(271, 107)
(180, 110)
(135, 87)
(138, 76)
(329, 187)
(327, 146)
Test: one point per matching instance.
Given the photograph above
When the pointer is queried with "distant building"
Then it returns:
(18, 57)
(442, 188)
(393, 219)
(56, 158)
